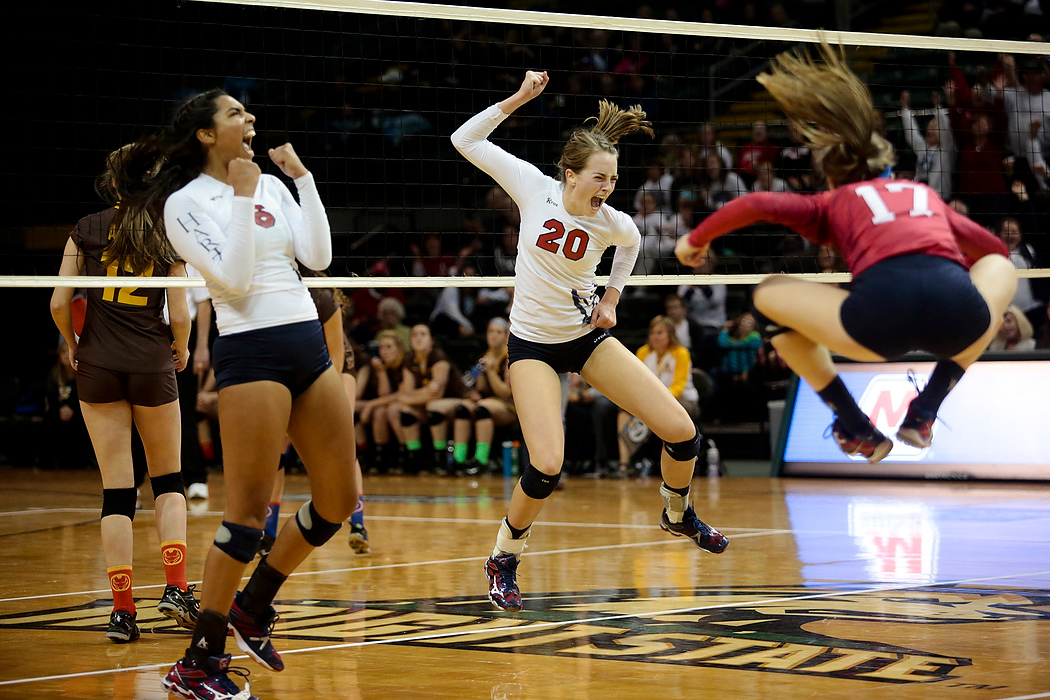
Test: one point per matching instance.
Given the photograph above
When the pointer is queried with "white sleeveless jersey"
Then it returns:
(558, 253)
(246, 248)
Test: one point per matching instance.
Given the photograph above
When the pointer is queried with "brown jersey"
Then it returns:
(423, 373)
(123, 327)
(327, 306)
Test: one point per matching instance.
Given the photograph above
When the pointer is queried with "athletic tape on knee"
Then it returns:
(167, 483)
(506, 542)
(538, 485)
(435, 418)
(316, 530)
(408, 420)
(119, 502)
(481, 413)
(685, 450)
(239, 542)
(463, 413)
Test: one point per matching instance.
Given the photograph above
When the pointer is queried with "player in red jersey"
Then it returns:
(924, 277)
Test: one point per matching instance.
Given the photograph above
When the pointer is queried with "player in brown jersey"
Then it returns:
(487, 402)
(430, 390)
(126, 364)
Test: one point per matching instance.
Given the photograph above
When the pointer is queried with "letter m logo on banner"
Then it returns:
(886, 400)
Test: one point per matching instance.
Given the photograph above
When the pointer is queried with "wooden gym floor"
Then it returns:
(830, 589)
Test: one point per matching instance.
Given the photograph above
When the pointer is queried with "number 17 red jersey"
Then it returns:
(867, 222)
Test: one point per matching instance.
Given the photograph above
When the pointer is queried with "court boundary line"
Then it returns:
(550, 625)
(402, 565)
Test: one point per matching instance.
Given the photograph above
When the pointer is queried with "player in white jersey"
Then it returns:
(558, 323)
(243, 231)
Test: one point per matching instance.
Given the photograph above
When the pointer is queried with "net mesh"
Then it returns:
(368, 92)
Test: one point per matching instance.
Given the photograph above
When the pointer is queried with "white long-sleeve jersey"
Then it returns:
(246, 248)
(558, 253)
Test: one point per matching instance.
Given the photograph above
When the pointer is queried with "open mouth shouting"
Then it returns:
(247, 143)
(596, 202)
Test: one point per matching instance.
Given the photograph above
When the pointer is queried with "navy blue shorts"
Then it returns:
(915, 302)
(569, 356)
(294, 354)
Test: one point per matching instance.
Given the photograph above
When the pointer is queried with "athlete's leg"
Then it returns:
(539, 412)
(996, 280)
(253, 418)
(320, 430)
(621, 377)
(161, 433)
(109, 426)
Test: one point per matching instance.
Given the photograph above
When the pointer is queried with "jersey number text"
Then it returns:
(881, 214)
(575, 241)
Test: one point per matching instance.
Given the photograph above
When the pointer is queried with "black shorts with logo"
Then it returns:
(569, 356)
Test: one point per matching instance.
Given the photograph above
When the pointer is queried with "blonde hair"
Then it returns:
(1024, 326)
(611, 124)
(833, 110)
(667, 324)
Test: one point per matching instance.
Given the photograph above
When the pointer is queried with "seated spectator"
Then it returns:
(1014, 334)
(706, 305)
(934, 152)
(431, 388)
(1023, 258)
(723, 185)
(659, 235)
(588, 408)
(793, 162)
(758, 150)
(710, 145)
(740, 342)
(460, 309)
(431, 261)
(377, 385)
(659, 183)
(391, 313)
(766, 180)
(487, 403)
(687, 331)
(66, 441)
(505, 254)
(365, 301)
(668, 359)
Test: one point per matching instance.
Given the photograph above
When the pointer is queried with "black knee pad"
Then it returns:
(240, 542)
(463, 412)
(685, 450)
(538, 485)
(481, 413)
(167, 483)
(408, 420)
(119, 502)
(316, 530)
(435, 418)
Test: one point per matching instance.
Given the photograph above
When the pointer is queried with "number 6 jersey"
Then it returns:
(123, 328)
(554, 275)
(867, 222)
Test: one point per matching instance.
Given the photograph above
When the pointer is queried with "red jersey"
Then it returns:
(867, 222)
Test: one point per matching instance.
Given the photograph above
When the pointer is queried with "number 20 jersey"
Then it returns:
(554, 274)
(123, 328)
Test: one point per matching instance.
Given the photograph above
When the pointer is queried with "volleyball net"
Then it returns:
(369, 91)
